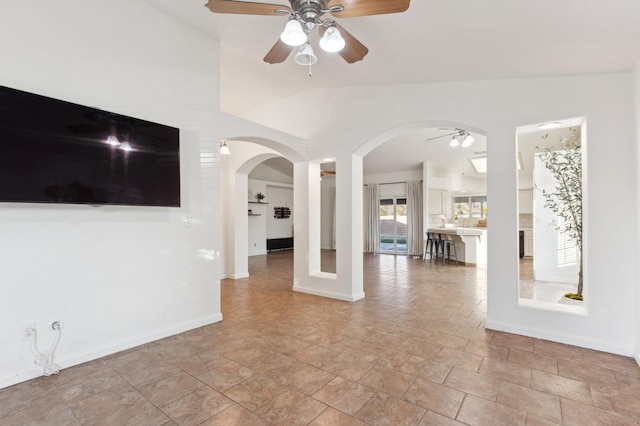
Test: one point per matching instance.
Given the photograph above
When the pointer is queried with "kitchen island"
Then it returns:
(471, 243)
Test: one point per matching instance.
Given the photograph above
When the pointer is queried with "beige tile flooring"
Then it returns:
(414, 352)
(544, 291)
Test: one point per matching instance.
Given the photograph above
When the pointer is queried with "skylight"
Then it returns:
(480, 163)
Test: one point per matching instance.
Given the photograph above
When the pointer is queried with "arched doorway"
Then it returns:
(451, 171)
(246, 154)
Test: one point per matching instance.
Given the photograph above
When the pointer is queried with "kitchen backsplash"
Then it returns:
(470, 222)
(525, 220)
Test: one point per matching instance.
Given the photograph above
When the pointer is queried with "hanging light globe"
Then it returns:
(305, 55)
(293, 34)
(332, 40)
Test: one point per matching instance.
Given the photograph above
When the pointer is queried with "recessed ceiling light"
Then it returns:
(550, 125)
(328, 160)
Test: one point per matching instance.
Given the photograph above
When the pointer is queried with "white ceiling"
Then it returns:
(433, 41)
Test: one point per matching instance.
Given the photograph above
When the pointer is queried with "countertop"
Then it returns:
(458, 231)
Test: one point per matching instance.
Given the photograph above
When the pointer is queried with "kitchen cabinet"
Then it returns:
(528, 243)
(439, 202)
(525, 201)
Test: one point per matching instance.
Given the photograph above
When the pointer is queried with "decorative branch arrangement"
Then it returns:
(566, 199)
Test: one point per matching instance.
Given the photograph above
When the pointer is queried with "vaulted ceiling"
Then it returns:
(433, 41)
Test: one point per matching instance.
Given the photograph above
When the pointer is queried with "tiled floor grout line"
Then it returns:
(420, 328)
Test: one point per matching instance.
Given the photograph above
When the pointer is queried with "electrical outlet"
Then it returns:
(28, 332)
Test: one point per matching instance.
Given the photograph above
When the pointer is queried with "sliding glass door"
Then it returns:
(393, 225)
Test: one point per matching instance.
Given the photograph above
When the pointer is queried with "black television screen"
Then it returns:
(52, 151)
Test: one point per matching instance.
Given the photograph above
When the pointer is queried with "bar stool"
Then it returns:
(431, 246)
(446, 248)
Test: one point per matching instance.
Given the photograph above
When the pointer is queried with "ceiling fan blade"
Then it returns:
(245, 7)
(353, 50)
(278, 53)
(441, 136)
(354, 8)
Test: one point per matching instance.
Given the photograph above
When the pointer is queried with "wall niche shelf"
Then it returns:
(253, 214)
(256, 202)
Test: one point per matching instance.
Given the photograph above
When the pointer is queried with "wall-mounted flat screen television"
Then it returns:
(52, 151)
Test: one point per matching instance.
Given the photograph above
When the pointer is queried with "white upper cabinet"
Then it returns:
(525, 201)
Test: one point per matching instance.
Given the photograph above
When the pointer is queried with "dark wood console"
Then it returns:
(279, 243)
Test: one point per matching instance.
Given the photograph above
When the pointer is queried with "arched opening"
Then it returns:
(450, 171)
(242, 211)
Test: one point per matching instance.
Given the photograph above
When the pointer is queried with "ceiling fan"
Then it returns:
(306, 16)
(460, 137)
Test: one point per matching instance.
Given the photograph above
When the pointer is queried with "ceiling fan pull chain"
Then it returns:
(309, 70)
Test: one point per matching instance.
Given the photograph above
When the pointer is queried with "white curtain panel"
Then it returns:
(332, 194)
(414, 218)
(371, 218)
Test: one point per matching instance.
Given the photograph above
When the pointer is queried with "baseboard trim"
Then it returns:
(96, 352)
(636, 355)
(560, 338)
(344, 297)
(238, 276)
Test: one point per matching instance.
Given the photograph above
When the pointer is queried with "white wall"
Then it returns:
(279, 196)
(257, 226)
(58, 261)
(399, 176)
(116, 276)
(362, 119)
(267, 173)
(266, 226)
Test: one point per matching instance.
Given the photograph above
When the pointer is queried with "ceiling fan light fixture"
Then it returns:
(305, 55)
(468, 140)
(454, 142)
(332, 40)
(293, 34)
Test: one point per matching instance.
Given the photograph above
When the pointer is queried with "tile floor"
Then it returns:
(414, 352)
(544, 291)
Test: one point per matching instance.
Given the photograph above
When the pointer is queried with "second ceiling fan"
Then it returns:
(306, 16)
